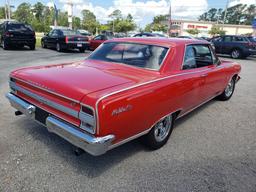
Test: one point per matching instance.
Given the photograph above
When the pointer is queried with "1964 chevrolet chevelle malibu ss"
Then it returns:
(125, 89)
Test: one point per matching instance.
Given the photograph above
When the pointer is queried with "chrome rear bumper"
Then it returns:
(93, 145)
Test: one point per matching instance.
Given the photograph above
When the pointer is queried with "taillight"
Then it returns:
(8, 34)
(88, 121)
(66, 39)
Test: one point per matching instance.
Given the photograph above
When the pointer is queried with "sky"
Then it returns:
(143, 11)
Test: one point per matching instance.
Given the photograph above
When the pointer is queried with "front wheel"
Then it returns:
(32, 47)
(229, 90)
(160, 133)
(81, 50)
(43, 44)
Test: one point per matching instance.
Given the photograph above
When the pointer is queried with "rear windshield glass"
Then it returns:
(70, 32)
(19, 27)
(138, 55)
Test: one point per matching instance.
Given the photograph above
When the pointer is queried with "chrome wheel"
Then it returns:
(230, 88)
(162, 128)
(235, 54)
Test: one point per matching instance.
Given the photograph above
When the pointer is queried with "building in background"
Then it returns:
(180, 27)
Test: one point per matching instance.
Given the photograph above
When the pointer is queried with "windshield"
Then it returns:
(70, 32)
(19, 27)
(138, 55)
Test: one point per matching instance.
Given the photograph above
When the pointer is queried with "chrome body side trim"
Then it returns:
(45, 101)
(93, 145)
(130, 139)
(15, 78)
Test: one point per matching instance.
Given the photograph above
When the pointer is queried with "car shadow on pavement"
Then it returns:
(87, 164)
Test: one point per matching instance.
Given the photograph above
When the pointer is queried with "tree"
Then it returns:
(238, 14)
(89, 21)
(193, 31)
(76, 23)
(24, 13)
(38, 9)
(2, 12)
(158, 24)
(63, 19)
(117, 14)
(216, 30)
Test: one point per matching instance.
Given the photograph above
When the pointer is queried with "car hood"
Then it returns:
(75, 80)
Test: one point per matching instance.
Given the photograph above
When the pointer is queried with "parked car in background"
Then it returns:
(127, 88)
(98, 40)
(235, 46)
(198, 38)
(64, 39)
(85, 33)
(16, 34)
(145, 34)
(252, 39)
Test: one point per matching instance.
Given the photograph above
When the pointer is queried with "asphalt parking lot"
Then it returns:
(211, 149)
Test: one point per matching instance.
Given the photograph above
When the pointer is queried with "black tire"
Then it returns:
(58, 47)
(32, 47)
(152, 139)
(81, 50)
(43, 44)
(229, 90)
(5, 47)
(236, 54)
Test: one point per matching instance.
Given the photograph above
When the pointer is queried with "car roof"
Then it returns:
(165, 42)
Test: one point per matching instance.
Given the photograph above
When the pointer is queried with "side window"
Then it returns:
(197, 56)
(55, 33)
(239, 39)
(217, 39)
(97, 37)
(228, 39)
(50, 33)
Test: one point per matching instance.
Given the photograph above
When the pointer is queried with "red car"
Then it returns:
(97, 41)
(126, 89)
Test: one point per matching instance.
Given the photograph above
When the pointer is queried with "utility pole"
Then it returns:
(225, 15)
(9, 9)
(170, 20)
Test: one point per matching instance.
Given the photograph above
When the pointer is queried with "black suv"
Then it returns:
(234, 45)
(15, 34)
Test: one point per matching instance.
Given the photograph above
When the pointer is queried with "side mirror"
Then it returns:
(46, 34)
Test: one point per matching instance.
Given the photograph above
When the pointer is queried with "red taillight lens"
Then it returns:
(66, 39)
(87, 110)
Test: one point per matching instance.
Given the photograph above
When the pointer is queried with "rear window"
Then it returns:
(134, 54)
(70, 32)
(19, 27)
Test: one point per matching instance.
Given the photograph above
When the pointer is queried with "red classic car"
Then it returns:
(97, 41)
(126, 89)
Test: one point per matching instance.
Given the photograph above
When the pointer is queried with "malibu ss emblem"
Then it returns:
(121, 110)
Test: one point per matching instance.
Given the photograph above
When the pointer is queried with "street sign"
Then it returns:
(254, 23)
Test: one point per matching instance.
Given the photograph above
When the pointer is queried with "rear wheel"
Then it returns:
(229, 90)
(32, 47)
(58, 47)
(43, 44)
(236, 54)
(160, 133)
(5, 47)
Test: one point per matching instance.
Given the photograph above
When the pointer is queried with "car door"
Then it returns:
(217, 41)
(215, 77)
(227, 45)
(95, 42)
(192, 80)
(52, 38)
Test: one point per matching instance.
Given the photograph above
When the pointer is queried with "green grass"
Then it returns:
(38, 42)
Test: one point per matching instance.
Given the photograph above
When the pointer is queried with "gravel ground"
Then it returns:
(211, 149)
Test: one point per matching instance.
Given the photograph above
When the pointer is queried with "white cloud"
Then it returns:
(143, 12)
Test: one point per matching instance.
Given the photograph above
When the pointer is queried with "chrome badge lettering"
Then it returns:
(121, 110)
